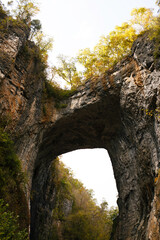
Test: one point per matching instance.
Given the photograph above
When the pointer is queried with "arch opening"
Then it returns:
(93, 164)
(94, 169)
(88, 127)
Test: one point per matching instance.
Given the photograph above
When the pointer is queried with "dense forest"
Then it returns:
(84, 219)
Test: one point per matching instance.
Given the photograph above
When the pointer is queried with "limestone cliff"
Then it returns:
(120, 112)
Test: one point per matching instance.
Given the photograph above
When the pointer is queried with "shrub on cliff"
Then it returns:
(11, 177)
(10, 170)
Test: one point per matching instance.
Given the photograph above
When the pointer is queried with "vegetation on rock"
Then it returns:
(11, 188)
(9, 227)
(52, 89)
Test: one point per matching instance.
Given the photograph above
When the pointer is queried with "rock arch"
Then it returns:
(85, 127)
(109, 113)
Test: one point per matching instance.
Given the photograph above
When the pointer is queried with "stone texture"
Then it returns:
(118, 112)
(153, 229)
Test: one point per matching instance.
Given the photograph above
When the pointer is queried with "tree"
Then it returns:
(88, 59)
(108, 51)
(35, 28)
(141, 19)
(25, 10)
(67, 70)
(116, 45)
(44, 43)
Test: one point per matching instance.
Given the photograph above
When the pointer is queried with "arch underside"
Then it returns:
(100, 125)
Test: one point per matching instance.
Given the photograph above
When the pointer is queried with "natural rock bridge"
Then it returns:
(108, 113)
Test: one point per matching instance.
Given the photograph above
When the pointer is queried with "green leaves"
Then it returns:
(12, 182)
(9, 228)
(35, 27)
(9, 163)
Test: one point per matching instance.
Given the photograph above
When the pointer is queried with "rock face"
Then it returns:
(120, 112)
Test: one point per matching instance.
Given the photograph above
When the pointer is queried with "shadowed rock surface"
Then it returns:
(108, 113)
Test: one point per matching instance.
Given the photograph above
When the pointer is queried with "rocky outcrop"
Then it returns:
(120, 112)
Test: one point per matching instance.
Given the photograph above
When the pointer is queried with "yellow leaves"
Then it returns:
(116, 45)
(44, 43)
(109, 50)
(152, 113)
(155, 180)
(141, 18)
(67, 70)
(24, 10)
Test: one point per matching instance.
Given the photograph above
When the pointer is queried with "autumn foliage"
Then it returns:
(109, 50)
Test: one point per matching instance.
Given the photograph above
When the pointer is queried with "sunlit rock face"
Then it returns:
(118, 112)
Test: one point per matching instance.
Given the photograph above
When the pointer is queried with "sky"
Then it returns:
(74, 25)
(93, 168)
(78, 24)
